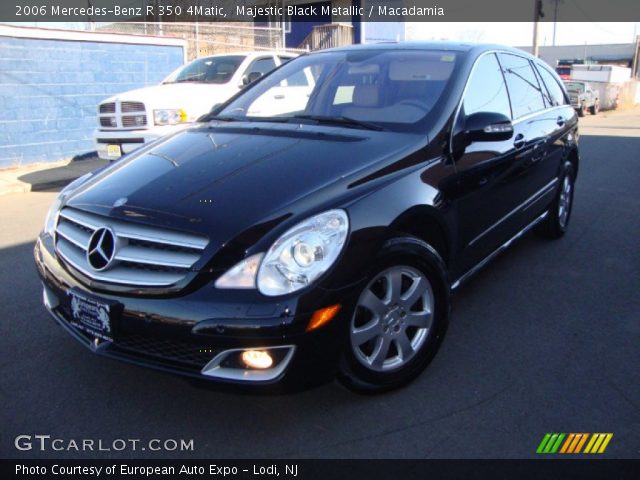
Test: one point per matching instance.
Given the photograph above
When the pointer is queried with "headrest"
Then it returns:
(366, 96)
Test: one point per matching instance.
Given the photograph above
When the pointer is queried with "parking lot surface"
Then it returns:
(545, 339)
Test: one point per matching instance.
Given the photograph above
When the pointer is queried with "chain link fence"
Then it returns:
(208, 38)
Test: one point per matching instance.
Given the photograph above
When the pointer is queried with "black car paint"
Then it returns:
(244, 184)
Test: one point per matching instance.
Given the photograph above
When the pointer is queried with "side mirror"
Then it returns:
(250, 78)
(253, 76)
(487, 127)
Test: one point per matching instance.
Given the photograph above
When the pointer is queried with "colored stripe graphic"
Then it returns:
(556, 443)
(598, 443)
(550, 443)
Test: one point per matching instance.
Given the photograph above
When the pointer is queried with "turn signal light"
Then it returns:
(323, 316)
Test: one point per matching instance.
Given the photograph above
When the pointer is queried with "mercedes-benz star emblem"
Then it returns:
(102, 248)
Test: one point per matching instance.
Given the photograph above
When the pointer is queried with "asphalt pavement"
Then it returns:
(545, 339)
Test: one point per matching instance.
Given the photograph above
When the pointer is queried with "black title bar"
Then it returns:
(323, 469)
(281, 10)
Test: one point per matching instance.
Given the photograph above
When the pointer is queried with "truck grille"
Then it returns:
(108, 107)
(132, 107)
(139, 255)
(108, 122)
(118, 115)
(134, 120)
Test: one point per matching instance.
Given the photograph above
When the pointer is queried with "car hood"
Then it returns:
(221, 180)
(196, 98)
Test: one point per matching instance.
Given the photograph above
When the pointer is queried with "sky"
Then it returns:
(517, 34)
(521, 33)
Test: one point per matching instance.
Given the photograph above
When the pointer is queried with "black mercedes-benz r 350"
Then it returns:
(315, 225)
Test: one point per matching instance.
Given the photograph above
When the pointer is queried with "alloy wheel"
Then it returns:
(393, 318)
(564, 204)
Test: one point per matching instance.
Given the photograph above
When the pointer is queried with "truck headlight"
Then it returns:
(296, 259)
(52, 215)
(170, 116)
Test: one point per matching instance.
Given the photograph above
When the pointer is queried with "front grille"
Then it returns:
(134, 120)
(118, 115)
(120, 140)
(144, 256)
(132, 107)
(108, 122)
(108, 107)
(171, 350)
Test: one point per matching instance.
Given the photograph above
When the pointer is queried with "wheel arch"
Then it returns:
(426, 223)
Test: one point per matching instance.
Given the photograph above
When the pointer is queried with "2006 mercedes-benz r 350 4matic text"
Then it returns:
(271, 245)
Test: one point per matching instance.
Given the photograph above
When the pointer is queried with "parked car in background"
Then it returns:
(271, 245)
(129, 120)
(583, 97)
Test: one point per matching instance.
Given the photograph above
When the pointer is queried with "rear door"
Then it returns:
(560, 121)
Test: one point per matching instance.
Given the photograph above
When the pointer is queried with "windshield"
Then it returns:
(574, 86)
(392, 89)
(207, 70)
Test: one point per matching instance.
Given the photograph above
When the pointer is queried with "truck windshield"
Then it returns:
(391, 89)
(207, 70)
(575, 86)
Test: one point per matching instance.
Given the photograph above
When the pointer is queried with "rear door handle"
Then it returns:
(278, 97)
(519, 141)
(560, 121)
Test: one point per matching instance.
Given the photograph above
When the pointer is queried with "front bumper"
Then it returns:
(188, 334)
(130, 140)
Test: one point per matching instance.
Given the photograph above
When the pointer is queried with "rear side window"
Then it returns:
(263, 65)
(524, 90)
(486, 91)
(556, 94)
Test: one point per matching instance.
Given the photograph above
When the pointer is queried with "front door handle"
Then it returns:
(519, 141)
(278, 97)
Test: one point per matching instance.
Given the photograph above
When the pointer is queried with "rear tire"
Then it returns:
(595, 108)
(559, 213)
(400, 318)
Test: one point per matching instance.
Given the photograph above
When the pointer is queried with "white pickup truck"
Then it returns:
(129, 120)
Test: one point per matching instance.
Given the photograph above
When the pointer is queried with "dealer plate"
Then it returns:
(114, 151)
(91, 315)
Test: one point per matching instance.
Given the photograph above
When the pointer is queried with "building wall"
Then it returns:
(50, 87)
(600, 53)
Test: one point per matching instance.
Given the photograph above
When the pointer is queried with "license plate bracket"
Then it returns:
(92, 314)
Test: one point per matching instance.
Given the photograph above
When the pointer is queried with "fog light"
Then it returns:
(259, 359)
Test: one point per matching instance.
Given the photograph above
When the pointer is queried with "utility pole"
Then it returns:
(555, 21)
(537, 14)
(636, 53)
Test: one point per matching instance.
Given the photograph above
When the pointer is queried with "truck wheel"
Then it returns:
(582, 110)
(595, 108)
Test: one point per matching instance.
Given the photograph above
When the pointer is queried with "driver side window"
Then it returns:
(486, 90)
(262, 66)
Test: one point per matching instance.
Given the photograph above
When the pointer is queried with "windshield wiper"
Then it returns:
(340, 120)
(222, 118)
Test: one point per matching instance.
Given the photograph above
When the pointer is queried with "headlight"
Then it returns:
(52, 214)
(299, 257)
(169, 116)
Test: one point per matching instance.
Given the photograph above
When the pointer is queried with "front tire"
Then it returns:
(595, 108)
(399, 320)
(559, 213)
